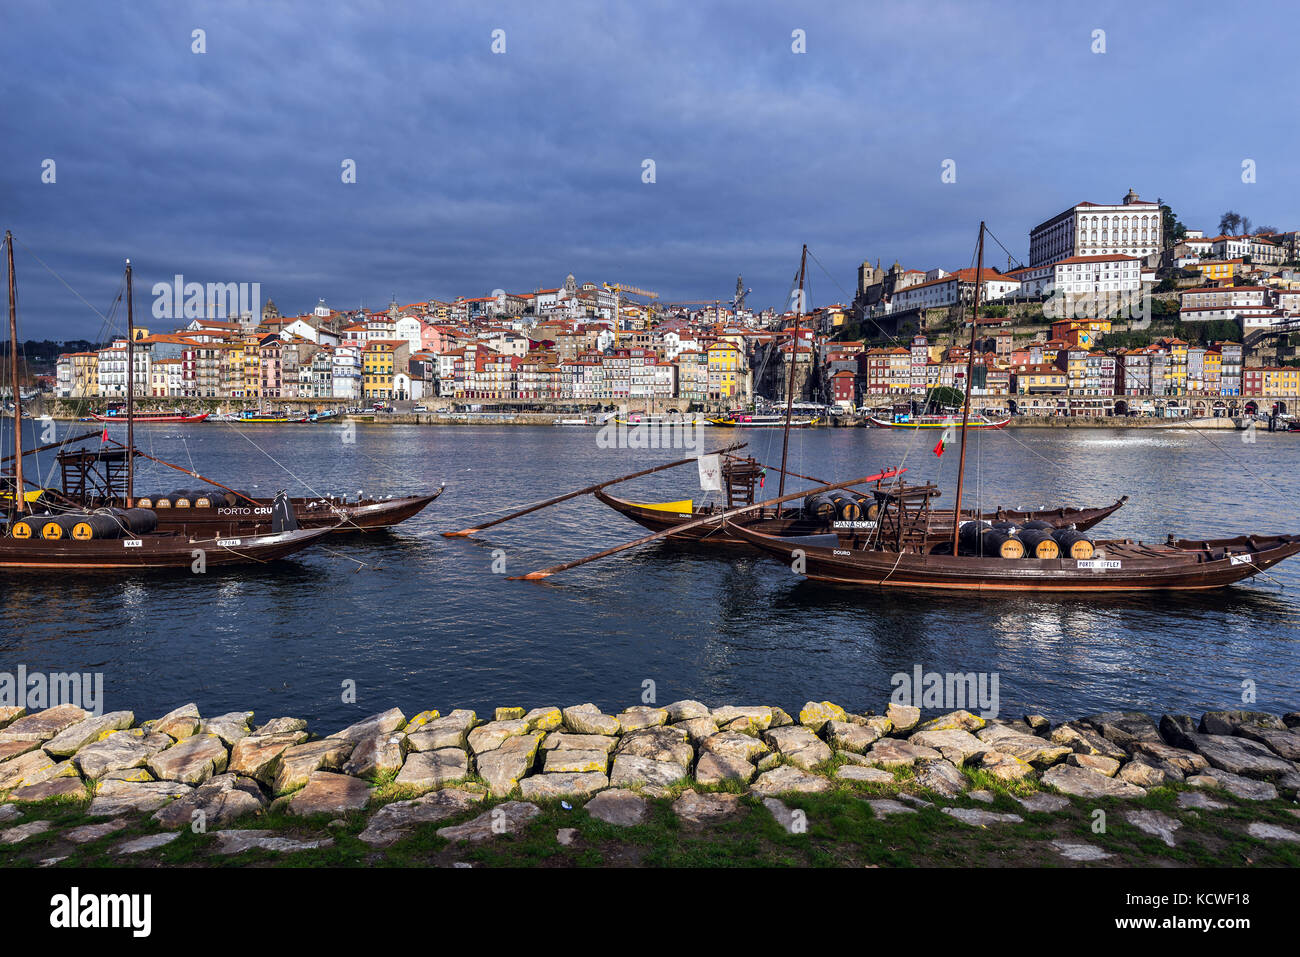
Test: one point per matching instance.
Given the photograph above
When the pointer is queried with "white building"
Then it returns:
(112, 370)
(410, 328)
(1094, 275)
(951, 288)
(347, 373)
(1251, 317)
(1130, 228)
(1230, 247)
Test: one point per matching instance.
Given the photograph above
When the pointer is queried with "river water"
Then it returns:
(412, 619)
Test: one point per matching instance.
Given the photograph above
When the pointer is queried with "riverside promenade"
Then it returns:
(680, 785)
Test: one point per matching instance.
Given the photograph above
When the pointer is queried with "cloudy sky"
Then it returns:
(478, 170)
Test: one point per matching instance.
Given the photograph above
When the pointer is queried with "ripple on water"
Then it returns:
(426, 623)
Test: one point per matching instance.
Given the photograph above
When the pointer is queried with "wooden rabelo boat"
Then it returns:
(93, 478)
(848, 511)
(901, 552)
(106, 539)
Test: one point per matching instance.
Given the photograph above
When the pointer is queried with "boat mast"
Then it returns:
(130, 391)
(19, 500)
(794, 358)
(970, 372)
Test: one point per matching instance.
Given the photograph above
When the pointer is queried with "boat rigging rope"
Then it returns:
(1232, 458)
(336, 510)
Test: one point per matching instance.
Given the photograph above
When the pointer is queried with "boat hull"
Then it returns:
(145, 419)
(942, 424)
(338, 518)
(792, 523)
(779, 424)
(1128, 567)
(153, 551)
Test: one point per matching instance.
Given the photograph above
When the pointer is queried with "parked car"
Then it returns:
(421, 408)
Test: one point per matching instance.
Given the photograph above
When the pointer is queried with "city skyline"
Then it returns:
(478, 170)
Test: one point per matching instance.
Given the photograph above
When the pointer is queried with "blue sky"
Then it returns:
(478, 170)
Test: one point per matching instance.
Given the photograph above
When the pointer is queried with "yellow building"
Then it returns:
(252, 367)
(232, 369)
(1040, 378)
(900, 369)
(85, 374)
(1213, 370)
(1176, 369)
(1284, 382)
(724, 363)
(382, 359)
(1074, 362)
(1217, 268)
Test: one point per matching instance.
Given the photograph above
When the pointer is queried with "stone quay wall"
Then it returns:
(448, 768)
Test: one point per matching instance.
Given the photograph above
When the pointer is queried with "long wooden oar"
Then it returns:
(464, 532)
(53, 445)
(548, 572)
(189, 472)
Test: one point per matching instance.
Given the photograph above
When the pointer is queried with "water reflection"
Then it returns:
(422, 622)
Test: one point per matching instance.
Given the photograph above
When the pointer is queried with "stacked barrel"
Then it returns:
(841, 507)
(192, 498)
(1033, 539)
(87, 526)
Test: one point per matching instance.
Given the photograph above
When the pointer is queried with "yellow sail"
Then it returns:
(685, 505)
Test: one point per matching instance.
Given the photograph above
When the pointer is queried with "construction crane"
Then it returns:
(618, 288)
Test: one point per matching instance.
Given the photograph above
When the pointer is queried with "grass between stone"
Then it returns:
(842, 831)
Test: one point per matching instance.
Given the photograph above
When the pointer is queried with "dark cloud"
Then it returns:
(477, 171)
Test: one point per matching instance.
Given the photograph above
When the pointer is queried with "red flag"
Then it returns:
(104, 437)
(938, 449)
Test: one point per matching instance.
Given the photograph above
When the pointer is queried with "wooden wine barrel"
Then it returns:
(57, 527)
(1074, 543)
(819, 507)
(846, 508)
(137, 521)
(1038, 524)
(870, 509)
(180, 499)
(969, 534)
(144, 501)
(1039, 543)
(998, 542)
(201, 500)
(162, 502)
(92, 527)
(29, 527)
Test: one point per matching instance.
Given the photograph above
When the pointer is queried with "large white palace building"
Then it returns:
(1131, 228)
